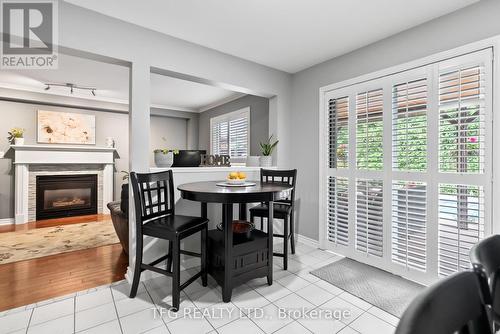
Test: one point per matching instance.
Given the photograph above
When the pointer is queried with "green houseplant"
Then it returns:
(16, 136)
(164, 157)
(267, 148)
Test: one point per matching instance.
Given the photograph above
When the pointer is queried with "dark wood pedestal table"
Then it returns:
(245, 259)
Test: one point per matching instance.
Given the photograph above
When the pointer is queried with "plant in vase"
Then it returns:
(267, 148)
(164, 157)
(16, 136)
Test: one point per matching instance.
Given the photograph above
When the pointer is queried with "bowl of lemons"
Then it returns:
(236, 178)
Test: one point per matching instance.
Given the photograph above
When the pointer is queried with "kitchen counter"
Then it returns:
(209, 169)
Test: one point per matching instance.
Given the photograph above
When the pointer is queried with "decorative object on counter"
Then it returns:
(209, 160)
(110, 142)
(56, 127)
(266, 160)
(236, 179)
(188, 158)
(164, 158)
(253, 161)
(124, 193)
(16, 136)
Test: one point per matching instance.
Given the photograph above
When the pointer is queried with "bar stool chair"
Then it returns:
(155, 217)
(283, 208)
(454, 305)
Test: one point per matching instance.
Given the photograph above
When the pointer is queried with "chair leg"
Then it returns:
(292, 233)
(169, 260)
(285, 243)
(176, 275)
(204, 280)
(262, 223)
(252, 218)
(137, 269)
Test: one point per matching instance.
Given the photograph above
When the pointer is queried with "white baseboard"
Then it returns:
(307, 241)
(7, 221)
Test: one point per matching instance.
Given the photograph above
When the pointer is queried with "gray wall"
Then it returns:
(259, 120)
(174, 130)
(108, 124)
(470, 24)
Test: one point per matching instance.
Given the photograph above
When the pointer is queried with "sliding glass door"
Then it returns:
(406, 182)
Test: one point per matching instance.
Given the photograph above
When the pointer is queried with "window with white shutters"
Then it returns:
(230, 134)
(369, 129)
(369, 216)
(461, 225)
(462, 120)
(338, 117)
(417, 174)
(409, 126)
(409, 216)
(338, 210)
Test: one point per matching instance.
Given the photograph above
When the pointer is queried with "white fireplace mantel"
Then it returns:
(26, 155)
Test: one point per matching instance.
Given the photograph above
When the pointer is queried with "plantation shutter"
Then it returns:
(238, 137)
(409, 216)
(338, 210)
(230, 134)
(462, 121)
(369, 216)
(369, 129)
(409, 126)
(461, 225)
(338, 117)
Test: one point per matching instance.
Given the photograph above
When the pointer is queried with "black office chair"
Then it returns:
(155, 217)
(453, 305)
(283, 208)
(485, 255)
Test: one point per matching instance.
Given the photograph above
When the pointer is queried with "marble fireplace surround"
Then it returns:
(33, 160)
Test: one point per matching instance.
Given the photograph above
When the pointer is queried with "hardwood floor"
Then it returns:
(31, 281)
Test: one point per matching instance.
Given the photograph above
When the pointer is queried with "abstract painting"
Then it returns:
(65, 128)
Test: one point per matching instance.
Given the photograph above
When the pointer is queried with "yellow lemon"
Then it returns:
(233, 175)
(242, 176)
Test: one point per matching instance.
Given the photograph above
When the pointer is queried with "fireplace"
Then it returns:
(65, 195)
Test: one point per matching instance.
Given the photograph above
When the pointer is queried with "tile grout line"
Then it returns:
(156, 306)
(116, 310)
(74, 314)
(29, 321)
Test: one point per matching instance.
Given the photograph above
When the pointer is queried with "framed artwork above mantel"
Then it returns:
(55, 127)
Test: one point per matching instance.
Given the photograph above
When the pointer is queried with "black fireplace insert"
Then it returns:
(65, 195)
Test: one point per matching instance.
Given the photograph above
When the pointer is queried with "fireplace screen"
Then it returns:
(66, 195)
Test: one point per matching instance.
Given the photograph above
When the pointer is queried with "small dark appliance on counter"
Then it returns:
(188, 158)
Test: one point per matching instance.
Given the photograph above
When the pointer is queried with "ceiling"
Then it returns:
(288, 35)
(112, 85)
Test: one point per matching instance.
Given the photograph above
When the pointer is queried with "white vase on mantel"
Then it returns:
(266, 161)
(18, 141)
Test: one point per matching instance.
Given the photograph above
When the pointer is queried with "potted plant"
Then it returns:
(164, 157)
(16, 136)
(266, 160)
(124, 193)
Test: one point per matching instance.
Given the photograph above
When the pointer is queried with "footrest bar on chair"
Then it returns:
(155, 262)
(190, 280)
(158, 270)
(279, 254)
(185, 252)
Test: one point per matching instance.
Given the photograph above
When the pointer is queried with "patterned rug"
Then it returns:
(24, 245)
(389, 292)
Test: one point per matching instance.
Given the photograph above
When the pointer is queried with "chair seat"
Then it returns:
(168, 227)
(280, 210)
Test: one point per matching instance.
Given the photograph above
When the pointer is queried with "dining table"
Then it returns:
(232, 262)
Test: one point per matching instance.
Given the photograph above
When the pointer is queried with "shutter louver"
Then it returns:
(338, 210)
(369, 217)
(338, 117)
(461, 225)
(461, 120)
(220, 142)
(369, 129)
(409, 216)
(238, 134)
(409, 126)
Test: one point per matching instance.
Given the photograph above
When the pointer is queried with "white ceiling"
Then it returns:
(289, 35)
(111, 82)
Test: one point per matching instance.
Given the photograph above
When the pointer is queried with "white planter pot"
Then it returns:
(18, 141)
(266, 161)
(164, 160)
(253, 161)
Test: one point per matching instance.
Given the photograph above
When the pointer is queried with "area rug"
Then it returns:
(24, 245)
(389, 292)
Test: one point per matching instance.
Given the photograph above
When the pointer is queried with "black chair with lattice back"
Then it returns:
(155, 217)
(283, 208)
(454, 305)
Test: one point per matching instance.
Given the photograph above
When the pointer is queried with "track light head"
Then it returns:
(93, 92)
(47, 88)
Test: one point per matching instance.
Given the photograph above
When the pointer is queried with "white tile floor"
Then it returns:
(108, 309)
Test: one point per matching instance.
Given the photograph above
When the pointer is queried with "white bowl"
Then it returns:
(235, 181)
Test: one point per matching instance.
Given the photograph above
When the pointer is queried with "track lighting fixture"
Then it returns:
(71, 87)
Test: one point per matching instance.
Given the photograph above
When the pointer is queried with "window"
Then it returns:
(230, 134)
(407, 167)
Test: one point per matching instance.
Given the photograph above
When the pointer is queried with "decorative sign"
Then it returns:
(209, 160)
